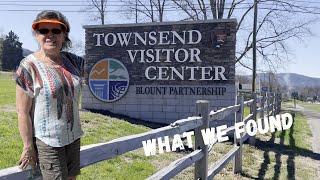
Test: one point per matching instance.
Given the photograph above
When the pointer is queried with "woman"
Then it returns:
(47, 93)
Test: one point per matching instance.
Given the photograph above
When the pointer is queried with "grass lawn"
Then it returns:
(7, 89)
(133, 164)
(11, 144)
(281, 155)
(97, 128)
(311, 106)
(284, 155)
(9, 137)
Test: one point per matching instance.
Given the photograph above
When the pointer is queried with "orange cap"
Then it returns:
(53, 21)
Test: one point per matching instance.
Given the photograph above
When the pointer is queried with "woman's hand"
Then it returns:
(28, 157)
(24, 104)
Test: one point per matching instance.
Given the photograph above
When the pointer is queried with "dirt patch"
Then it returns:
(8, 108)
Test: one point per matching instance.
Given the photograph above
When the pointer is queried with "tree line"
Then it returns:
(279, 21)
(11, 52)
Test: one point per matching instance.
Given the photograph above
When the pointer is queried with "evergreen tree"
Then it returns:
(11, 52)
(1, 47)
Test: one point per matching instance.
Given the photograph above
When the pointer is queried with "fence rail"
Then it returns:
(269, 104)
(178, 165)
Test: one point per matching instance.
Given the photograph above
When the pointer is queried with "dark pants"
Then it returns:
(59, 163)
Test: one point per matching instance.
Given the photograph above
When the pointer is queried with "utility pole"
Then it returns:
(254, 46)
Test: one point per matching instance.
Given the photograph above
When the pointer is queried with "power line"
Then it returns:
(84, 1)
(21, 1)
(307, 9)
(126, 5)
(132, 4)
(167, 9)
(53, 5)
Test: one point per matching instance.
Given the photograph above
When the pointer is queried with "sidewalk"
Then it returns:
(314, 123)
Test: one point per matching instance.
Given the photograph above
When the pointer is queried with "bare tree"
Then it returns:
(77, 47)
(198, 9)
(195, 10)
(278, 22)
(100, 6)
(150, 10)
(276, 27)
(217, 8)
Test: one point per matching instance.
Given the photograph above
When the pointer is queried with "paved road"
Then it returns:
(314, 123)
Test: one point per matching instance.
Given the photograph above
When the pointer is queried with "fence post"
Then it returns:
(253, 110)
(237, 164)
(279, 103)
(201, 166)
(274, 112)
(274, 104)
(268, 103)
(262, 104)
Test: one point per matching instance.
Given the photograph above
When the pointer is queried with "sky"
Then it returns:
(304, 60)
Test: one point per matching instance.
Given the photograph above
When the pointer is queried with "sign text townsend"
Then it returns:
(187, 53)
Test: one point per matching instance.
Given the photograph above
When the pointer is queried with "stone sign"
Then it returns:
(157, 71)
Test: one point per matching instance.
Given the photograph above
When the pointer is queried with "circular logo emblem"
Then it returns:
(108, 80)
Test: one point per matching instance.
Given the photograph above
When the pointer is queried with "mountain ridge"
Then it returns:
(297, 80)
(288, 79)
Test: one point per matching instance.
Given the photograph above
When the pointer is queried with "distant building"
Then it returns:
(247, 87)
(310, 99)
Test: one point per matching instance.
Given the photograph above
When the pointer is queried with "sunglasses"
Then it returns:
(46, 31)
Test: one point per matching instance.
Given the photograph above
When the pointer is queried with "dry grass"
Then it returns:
(282, 155)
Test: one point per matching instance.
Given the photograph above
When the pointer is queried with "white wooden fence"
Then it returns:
(259, 106)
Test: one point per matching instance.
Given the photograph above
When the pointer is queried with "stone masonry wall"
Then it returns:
(165, 108)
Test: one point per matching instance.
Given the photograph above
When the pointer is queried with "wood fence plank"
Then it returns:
(274, 107)
(259, 110)
(94, 153)
(221, 163)
(177, 166)
(253, 110)
(237, 163)
(223, 113)
(14, 173)
(248, 103)
(201, 166)
(104, 151)
(98, 152)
